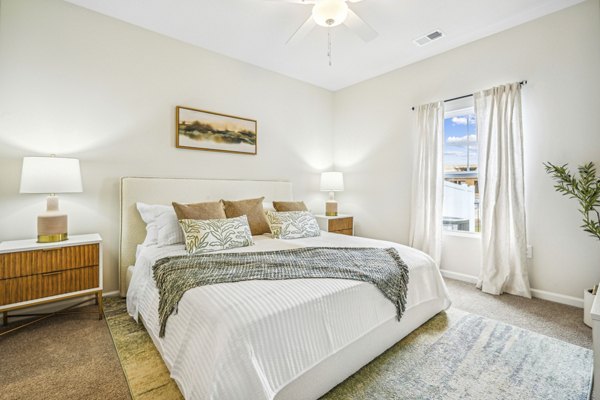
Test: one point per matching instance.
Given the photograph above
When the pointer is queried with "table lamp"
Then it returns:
(51, 175)
(332, 182)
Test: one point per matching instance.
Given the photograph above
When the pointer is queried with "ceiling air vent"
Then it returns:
(422, 41)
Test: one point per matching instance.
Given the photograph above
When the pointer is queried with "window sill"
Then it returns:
(470, 235)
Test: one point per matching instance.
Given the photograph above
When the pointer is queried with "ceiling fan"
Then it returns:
(330, 13)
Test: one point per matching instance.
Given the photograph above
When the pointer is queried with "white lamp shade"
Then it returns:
(329, 13)
(332, 182)
(50, 175)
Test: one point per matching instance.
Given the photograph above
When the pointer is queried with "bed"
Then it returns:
(292, 339)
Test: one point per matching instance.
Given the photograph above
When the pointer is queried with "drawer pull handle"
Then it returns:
(52, 273)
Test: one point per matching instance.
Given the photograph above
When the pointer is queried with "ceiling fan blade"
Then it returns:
(360, 27)
(301, 32)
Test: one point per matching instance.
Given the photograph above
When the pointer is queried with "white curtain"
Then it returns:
(428, 182)
(502, 204)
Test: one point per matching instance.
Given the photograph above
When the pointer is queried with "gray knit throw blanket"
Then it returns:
(382, 267)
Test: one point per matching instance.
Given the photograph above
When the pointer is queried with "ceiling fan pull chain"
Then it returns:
(329, 45)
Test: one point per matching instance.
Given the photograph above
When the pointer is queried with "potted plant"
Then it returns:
(586, 190)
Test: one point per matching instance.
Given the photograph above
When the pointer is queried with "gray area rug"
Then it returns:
(465, 356)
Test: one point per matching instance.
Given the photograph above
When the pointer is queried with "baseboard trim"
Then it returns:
(114, 293)
(557, 298)
(458, 276)
(537, 293)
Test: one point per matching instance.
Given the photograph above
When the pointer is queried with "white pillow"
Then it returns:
(149, 214)
(268, 207)
(162, 227)
(169, 231)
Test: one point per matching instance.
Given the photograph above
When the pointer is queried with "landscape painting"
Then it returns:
(205, 130)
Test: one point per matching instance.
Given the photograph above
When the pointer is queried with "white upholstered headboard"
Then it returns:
(167, 190)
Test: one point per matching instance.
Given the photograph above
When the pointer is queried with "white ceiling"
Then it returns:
(255, 31)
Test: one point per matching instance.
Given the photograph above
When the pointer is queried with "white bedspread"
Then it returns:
(248, 340)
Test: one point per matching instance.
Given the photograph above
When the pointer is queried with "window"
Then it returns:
(461, 189)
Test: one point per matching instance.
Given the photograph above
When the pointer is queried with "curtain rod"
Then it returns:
(522, 83)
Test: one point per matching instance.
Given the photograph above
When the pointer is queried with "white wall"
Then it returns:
(374, 142)
(79, 84)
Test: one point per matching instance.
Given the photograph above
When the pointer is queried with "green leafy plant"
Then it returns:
(585, 188)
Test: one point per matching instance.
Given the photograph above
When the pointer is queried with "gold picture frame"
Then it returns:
(206, 130)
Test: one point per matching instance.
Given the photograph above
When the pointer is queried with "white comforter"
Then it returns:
(248, 340)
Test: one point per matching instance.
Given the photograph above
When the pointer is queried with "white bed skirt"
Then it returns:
(333, 370)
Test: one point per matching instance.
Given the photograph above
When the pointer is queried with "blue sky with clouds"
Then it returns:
(460, 135)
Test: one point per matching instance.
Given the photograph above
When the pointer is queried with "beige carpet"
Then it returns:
(73, 357)
(64, 357)
(551, 319)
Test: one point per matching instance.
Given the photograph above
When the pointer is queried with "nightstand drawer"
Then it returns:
(26, 263)
(33, 287)
(340, 224)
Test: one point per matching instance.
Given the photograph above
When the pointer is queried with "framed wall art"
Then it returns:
(206, 130)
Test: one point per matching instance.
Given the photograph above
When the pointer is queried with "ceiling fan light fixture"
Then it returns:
(330, 13)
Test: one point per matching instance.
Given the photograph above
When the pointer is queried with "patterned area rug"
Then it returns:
(455, 355)
(147, 375)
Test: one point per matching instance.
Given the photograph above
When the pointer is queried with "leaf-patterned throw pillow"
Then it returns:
(204, 236)
(293, 224)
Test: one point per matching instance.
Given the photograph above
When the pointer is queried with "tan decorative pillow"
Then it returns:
(289, 206)
(208, 210)
(251, 208)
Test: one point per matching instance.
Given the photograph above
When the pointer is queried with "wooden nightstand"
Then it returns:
(343, 224)
(34, 273)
